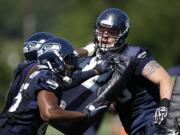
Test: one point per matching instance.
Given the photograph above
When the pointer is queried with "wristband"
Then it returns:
(164, 102)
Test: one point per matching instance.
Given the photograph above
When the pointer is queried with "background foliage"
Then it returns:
(154, 24)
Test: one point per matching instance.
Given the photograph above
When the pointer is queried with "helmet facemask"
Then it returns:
(111, 30)
(110, 38)
(71, 64)
(106, 38)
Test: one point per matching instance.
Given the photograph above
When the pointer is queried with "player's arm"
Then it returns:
(50, 110)
(154, 72)
(108, 92)
(88, 50)
(101, 67)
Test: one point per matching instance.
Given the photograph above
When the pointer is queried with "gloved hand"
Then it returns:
(102, 67)
(104, 63)
(95, 108)
(161, 112)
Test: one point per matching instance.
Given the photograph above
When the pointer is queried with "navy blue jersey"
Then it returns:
(19, 76)
(24, 112)
(137, 103)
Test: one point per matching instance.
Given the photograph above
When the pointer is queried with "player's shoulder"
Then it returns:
(24, 67)
(45, 79)
(46, 73)
(134, 50)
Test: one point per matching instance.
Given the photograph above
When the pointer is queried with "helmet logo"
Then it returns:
(142, 55)
(49, 47)
(42, 41)
(31, 46)
(39, 43)
(106, 23)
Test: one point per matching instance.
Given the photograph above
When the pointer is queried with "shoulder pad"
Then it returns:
(131, 50)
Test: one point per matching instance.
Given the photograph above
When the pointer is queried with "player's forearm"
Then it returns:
(88, 50)
(56, 113)
(108, 93)
(82, 52)
(49, 108)
(166, 87)
(112, 88)
(119, 79)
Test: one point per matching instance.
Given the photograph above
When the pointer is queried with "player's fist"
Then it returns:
(160, 115)
(161, 112)
(102, 67)
(95, 108)
(104, 63)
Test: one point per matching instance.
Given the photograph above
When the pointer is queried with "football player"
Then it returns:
(147, 87)
(38, 98)
(31, 45)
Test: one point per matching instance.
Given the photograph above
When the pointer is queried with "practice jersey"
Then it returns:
(19, 76)
(24, 112)
(138, 101)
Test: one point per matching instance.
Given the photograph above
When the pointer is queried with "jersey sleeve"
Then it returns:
(142, 59)
(49, 82)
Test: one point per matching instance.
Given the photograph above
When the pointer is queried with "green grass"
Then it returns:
(52, 131)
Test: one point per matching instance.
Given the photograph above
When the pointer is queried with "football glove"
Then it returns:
(95, 108)
(103, 66)
(104, 63)
(161, 112)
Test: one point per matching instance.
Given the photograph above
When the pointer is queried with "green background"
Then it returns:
(154, 24)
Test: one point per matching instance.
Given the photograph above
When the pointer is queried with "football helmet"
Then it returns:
(111, 23)
(58, 55)
(33, 43)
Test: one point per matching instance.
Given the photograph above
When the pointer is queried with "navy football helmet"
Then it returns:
(33, 43)
(58, 55)
(111, 23)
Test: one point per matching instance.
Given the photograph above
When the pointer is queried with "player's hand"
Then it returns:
(102, 67)
(161, 112)
(160, 115)
(104, 63)
(96, 108)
